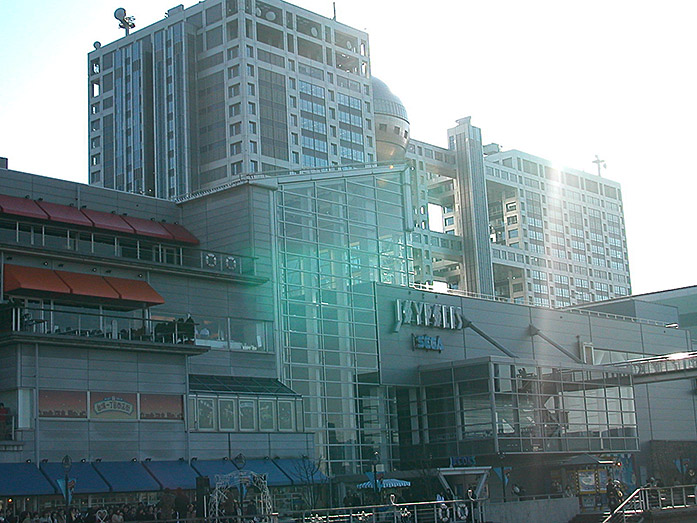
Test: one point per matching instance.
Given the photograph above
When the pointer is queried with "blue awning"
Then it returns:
(87, 481)
(275, 477)
(172, 474)
(127, 476)
(301, 471)
(23, 479)
(212, 467)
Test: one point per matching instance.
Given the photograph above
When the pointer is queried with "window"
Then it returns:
(253, 147)
(233, 90)
(251, 89)
(251, 108)
(205, 408)
(252, 126)
(267, 418)
(248, 414)
(227, 414)
(236, 148)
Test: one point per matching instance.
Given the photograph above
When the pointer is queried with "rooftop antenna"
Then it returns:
(601, 165)
(127, 22)
(334, 6)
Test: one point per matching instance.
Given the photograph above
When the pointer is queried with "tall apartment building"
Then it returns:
(552, 236)
(224, 88)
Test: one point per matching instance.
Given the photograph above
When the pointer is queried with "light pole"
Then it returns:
(376, 460)
(240, 461)
(67, 465)
(502, 455)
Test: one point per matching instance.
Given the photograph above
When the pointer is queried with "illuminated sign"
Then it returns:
(425, 342)
(409, 312)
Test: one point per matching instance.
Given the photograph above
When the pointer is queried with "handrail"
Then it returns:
(488, 297)
(215, 332)
(424, 511)
(115, 246)
(646, 499)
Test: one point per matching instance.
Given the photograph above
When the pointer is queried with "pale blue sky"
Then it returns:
(558, 79)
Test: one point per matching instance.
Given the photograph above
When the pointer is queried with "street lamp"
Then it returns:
(240, 461)
(67, 465)
(376, 460)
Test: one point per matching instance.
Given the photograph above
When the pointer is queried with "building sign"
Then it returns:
(409, 312)
(424, 342)
(161, 407)
(62, 404)
(110, 405)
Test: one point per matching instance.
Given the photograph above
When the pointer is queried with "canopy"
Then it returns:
(301, 471)
(384, 483)
(87, 481)
(23, 479)
(21, 207)
(127, 476)
(65, 214)
(172, 474)
(35, 281)
(275, 477)
(211, 468)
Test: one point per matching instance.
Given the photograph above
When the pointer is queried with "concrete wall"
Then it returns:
(558, 510)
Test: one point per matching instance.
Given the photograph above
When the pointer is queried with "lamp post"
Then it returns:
(376, 460)
(502, 455)
(240, 461)
(67, 465)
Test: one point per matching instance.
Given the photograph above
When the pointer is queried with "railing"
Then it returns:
(214, 332)
(489, 297)
(246, 177)
(677, 362)
(647, 499)
(7, 428)
(55, 238)
(452, 511)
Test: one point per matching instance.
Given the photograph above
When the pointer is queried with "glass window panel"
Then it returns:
(248, 414)
(267, 418)
(227, 414)
(286, 415)
(206, 413)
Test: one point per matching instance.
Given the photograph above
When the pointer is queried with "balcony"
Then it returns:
(97, 326)
(125, 250)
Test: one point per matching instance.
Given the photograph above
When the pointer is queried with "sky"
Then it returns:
(558, 79)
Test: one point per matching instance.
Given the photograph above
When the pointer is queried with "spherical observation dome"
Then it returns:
(391, 123)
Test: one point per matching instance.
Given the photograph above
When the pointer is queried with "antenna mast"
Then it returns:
(127, 22)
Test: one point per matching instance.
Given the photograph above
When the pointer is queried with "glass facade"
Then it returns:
(490, 407)
(336, 237)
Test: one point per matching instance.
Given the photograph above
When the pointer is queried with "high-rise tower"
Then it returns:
(225, 88)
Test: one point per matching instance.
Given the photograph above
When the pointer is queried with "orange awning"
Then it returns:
(32, 281)
(79, 287)
(135, 290)
(88, 285)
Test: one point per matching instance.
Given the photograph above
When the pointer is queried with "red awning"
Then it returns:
(109, 221)
(88, 285)
(148, 228)
(180, 233)
(65, 214)
(135, 290)
(21, 207)
(32, 281)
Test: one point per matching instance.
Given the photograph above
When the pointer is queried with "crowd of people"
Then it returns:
(173, 506)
